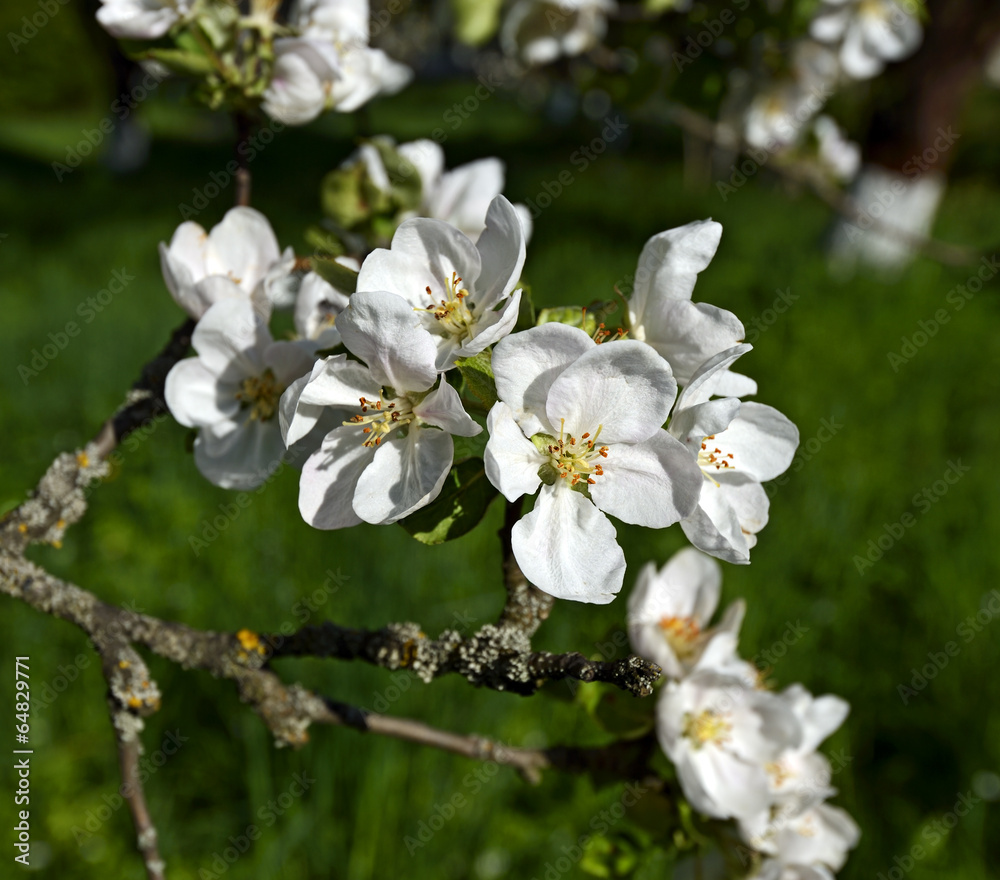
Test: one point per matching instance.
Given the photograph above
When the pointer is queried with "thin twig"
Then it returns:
(802, 173)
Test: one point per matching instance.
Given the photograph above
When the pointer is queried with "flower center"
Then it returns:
(575, 459)
(378, 419)
(261, 394)
(708, 726)
(683, 634)
(711, 458)
(453, 314)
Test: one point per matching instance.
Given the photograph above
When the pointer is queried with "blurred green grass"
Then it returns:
(826, 358)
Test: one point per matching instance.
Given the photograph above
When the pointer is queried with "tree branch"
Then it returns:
(801, 173)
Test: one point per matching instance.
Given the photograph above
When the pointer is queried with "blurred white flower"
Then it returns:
(721, 733)
(870, 33)
(141, 19)
(331, 65)
(462, 196)
(540, 31)
(838, 155)
(669, 611)
(780, 112)
(235, 259)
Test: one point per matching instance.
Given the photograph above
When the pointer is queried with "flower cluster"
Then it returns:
(316, 59)
(742, 752)
(649, 427)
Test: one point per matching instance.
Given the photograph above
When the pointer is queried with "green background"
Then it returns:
(824, 359)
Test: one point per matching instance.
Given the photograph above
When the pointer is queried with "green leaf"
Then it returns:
(478, 374)
(471, 447)
(458, 509)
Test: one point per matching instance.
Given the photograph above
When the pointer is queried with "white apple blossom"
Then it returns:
(141, 19)
(779, 113)
(540, 31)
(238, 258)
(581, 424)
(895, 210)
(838, 155)
(721, 733)
(461, 293)
(660, 310)
(302, 80)
(330, 65)
(669, 611)
(393, 449)
(230, 392)
(816, 840)
(738, 445)
(870, 33)
(799, 777)
(461, 197)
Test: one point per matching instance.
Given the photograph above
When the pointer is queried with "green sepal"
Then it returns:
(341, 278)
(573, 316)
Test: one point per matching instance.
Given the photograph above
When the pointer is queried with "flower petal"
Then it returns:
(443, 409)
(512, 461)
(688, 333)
(195, 396)
(626, 388)
(761, 441)
(526, 364)
(568, 548)
(383, 330)
(329, 479)
(654, 483)
(230, 339)
(242, 457)
(425, 253)
(669, 265)
(243, 246)
(501, 248)
(405, 475)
